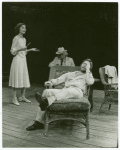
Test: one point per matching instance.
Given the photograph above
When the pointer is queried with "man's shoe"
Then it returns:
(38, 97)
(35, 126)
(42, 101)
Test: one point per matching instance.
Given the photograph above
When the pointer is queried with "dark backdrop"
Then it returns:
(86, 30)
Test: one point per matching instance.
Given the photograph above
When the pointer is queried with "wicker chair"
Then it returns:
(68, 109)
(111, 94)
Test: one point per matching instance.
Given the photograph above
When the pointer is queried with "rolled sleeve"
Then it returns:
(59, 80)
(14, 46)
(89, 79)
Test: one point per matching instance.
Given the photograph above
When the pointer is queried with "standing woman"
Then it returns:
(19, 77)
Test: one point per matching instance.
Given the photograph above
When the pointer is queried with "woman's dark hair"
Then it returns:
(91, 63)
(17, 28)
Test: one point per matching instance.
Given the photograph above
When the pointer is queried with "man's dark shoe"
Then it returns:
(38, 97)
(42, 101)
(35, 126)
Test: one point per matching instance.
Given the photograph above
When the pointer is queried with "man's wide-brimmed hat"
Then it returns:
(60, 50)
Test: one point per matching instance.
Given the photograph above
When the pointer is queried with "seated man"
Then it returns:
(62, 59)
(75, 83)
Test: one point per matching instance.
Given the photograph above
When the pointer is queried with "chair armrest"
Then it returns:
(110, 83)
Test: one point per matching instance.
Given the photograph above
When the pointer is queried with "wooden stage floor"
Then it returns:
(68, 134)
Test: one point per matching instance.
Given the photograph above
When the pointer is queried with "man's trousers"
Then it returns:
(58, 94)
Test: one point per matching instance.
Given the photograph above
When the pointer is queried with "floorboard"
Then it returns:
(15, 119)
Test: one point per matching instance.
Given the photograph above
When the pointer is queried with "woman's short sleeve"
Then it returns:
(14, 46)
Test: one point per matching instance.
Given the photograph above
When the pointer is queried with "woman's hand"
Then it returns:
(34, 49)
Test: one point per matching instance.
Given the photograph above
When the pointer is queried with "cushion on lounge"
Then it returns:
(68, 105)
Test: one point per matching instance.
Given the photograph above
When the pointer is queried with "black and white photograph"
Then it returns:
(60, 74)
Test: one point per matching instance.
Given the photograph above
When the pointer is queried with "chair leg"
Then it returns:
(90, 97)
(101, 107)
(87, 126)
(109, 106)
(46, 123)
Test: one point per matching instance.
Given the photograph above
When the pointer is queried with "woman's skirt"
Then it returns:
(19, 76)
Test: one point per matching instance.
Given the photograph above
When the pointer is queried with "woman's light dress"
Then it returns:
(19, 76)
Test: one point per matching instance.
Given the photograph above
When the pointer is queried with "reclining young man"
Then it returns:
(75, 83)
